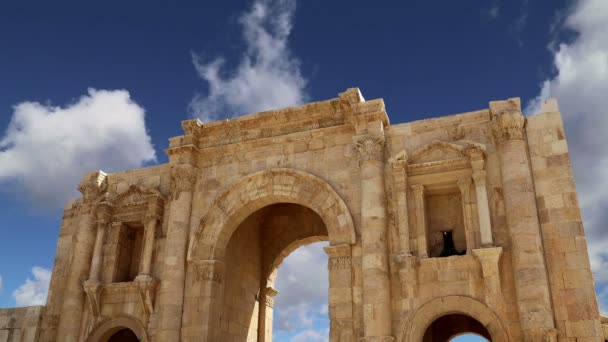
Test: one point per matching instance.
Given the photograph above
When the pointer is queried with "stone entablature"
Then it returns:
(469, 220)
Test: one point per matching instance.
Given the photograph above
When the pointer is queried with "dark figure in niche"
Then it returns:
(448, 245)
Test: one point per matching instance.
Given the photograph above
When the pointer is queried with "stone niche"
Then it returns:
(445, 221)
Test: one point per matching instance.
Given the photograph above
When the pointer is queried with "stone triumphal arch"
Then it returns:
(467, 223)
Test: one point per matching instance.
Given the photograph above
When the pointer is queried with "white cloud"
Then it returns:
(581, 86)
(33, 292)
(46, 149)
(311, 335)
(303, 283)
(494, 12)
(267, 77)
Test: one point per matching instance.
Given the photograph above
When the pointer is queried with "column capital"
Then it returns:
(93, 185)
(479, 176)
(370, 147)
(417, 188)
(508, 125)
(183, 177)
(151, 217)
(463, 183)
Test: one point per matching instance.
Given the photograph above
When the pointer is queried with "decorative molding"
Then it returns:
(336, 263)
(370, 147)
(508, 125)
(436, 145)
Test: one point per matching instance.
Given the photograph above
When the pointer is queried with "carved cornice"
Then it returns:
(370, 147)
(508, 125)
(183, 177)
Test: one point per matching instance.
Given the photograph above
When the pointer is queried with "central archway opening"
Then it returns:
(456, 327)
(254, 252)
(124, 335)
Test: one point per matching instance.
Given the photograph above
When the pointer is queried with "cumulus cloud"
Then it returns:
(268, 75)
(47, 149)
(311, 335)
(303, 283)
(33, 292)
(580, 85)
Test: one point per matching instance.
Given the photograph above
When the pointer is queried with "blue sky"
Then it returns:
(103, 85)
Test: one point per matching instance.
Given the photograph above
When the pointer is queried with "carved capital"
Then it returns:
(479, 176)
(508, 125)
(93, 185)
(192, 127)
(337, 263)
(148, 218)
(183, 177)
(418, 189)
(370, 147)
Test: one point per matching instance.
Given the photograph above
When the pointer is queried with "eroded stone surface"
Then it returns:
(189, 250)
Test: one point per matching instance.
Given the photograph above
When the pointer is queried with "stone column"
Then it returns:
(171, 293)
(400, 205)
(420, 220)
(340, 269)
(93, 185)
(73, 300)
(150, 222)
(265, 312)
(483, 210)
(465, 191)
(103, 219)
(530, 273)
(377, 319)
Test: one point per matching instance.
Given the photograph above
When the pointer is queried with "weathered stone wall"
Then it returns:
(20, 324)
(570, 277)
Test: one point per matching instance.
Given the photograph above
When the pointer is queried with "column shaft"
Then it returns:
(530, 274)
(483, 210)
(171, 297)
(95, 273)
(465, 191)
(148, 248)
(377, 320)
(420, 220)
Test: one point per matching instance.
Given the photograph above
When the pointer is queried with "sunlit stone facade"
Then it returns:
(463, 223)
